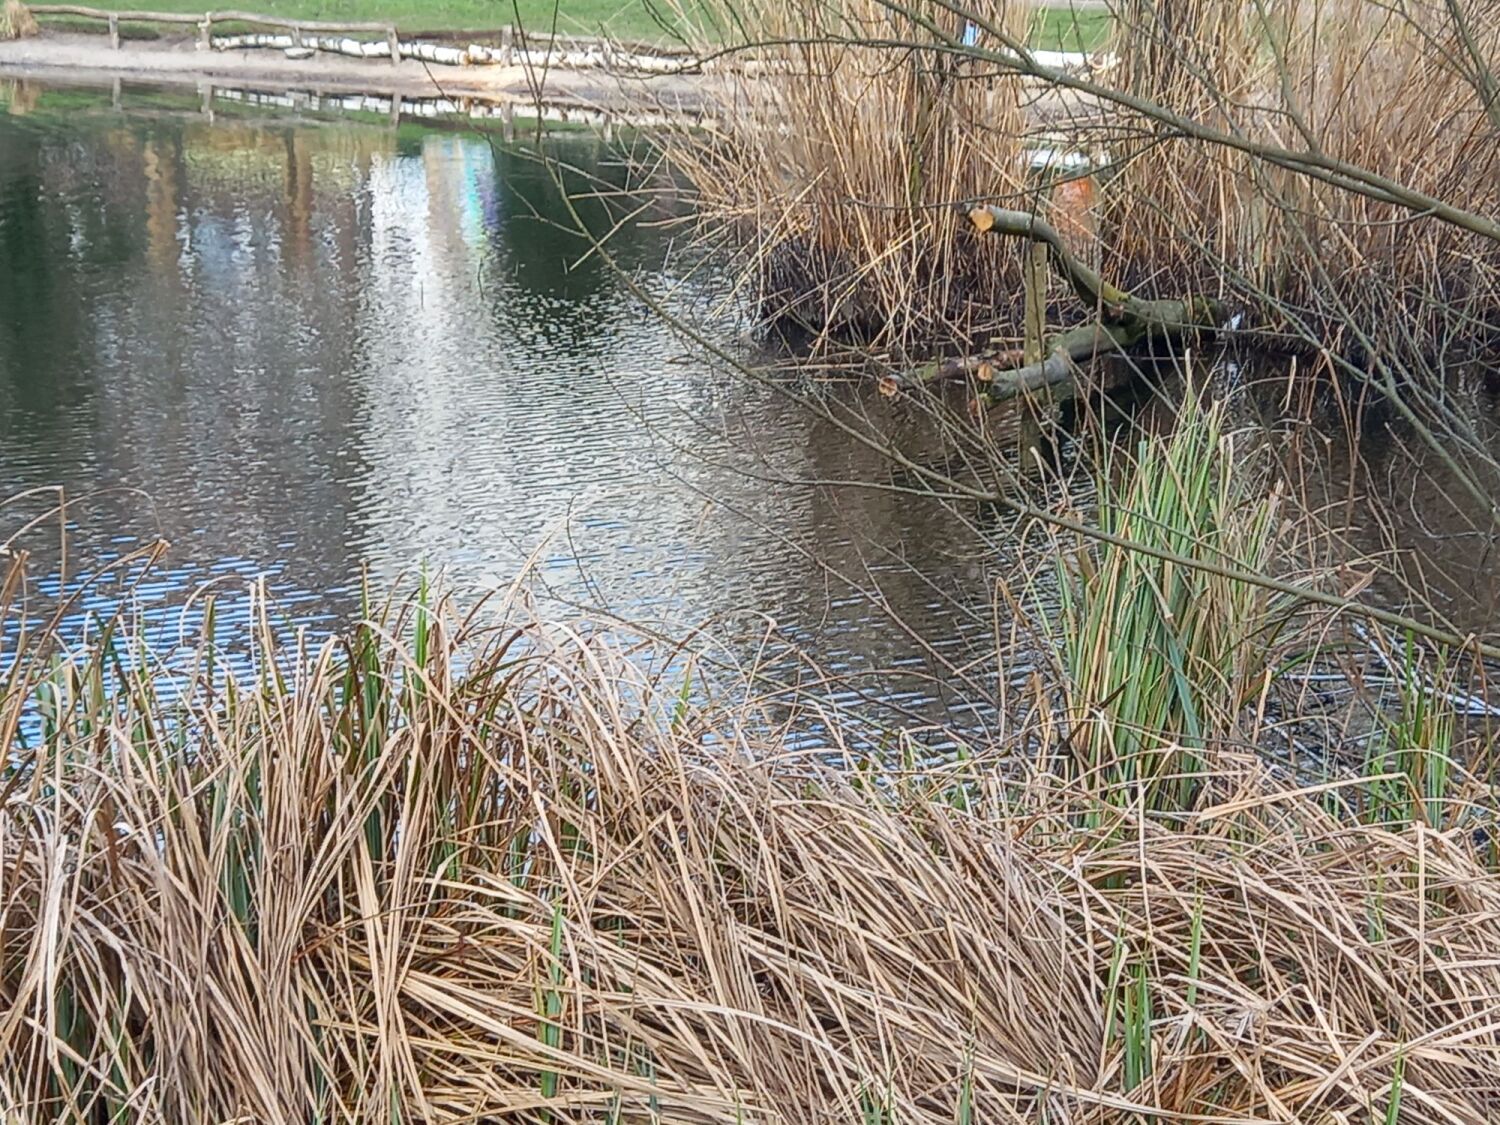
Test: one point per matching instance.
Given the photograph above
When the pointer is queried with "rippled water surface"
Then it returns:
(312, 351)
(314, 354)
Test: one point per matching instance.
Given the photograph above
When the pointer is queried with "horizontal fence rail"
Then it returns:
(562, 48)
(213, 17)
(205, 22)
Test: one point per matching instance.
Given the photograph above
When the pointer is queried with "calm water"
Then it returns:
(305, 353)
(310, 352)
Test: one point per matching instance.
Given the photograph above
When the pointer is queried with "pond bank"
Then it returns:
(552, 882)
(89, 59)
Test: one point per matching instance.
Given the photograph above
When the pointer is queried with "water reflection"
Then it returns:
(320, 351)
(307, 354)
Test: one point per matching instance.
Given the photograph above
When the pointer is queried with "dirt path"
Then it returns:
(73, 57)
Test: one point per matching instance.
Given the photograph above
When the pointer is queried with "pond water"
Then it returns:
(314, 354)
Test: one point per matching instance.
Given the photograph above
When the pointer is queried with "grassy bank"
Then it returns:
(624, 19)
(553, 886)
(1053, 27)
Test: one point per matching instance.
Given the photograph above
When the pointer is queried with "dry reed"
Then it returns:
(16, 21)
(849, 154)
(546, 886)
(516, 897)
(1403, 91)
(839, 173)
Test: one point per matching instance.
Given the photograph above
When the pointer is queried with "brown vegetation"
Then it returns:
(1401, 91)
(16, 21)
(1224, 140)
(438, 872)
(842, 173)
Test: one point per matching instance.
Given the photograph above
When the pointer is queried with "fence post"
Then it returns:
(507, 49)
(205, 32)
(114, 31)
(395, 43)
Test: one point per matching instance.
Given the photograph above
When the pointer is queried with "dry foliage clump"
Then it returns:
(1404, 91)
(16, 21)
(868, 124)
(547, 889)
(842, 168)
(436, 872)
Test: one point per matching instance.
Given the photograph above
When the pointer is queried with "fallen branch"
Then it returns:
(1123, 321)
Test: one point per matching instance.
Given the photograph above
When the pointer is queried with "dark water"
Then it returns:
(310, 353)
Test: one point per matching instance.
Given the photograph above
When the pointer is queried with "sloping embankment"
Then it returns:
(72, 56)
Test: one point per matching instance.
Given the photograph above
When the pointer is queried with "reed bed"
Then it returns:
(1161, 661)
(1406, 92)
(443, 871)
(16, 21)
(837, 177)
(843, 172)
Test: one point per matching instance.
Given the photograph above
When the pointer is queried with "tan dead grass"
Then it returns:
(16, 21)
(840, 171)
(545, 889)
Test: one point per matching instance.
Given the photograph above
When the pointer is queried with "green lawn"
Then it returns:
(626, 19)
(1061, 29)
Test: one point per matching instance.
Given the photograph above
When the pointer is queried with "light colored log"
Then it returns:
(433, 53)
(589, 57)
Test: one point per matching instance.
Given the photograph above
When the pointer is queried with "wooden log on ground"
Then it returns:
(253, 40)
(353, 48)
(592, 55)
(433, 53)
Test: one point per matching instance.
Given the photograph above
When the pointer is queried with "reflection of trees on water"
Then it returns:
(542, 245)
(220, 313)
(37, 369)
(173, 277)
(346, 347)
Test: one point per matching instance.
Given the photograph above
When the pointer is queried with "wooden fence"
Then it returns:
(311, 34)
(206, 21)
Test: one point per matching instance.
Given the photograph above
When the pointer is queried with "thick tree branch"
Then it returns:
(1123, 321)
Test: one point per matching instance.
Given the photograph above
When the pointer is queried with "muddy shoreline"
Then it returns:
(77, 58)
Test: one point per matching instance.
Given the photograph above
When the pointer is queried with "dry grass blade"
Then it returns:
(16, 21)
(547, 889)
